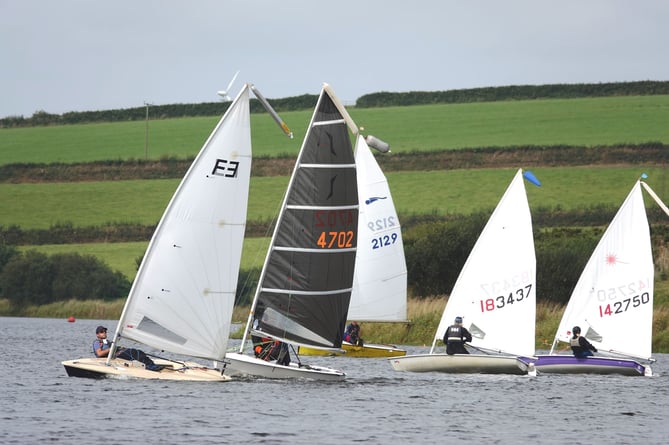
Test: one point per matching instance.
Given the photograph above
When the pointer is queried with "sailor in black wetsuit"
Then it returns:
(455, 338)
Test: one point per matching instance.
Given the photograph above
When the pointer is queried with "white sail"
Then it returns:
(183, 295)
(380, 281)
(495, 292)
(612, 302)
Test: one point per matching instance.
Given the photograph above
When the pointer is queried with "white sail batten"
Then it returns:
(182, 298)
(297, 292)
(380, 283)
(612, 301)
(495, 293)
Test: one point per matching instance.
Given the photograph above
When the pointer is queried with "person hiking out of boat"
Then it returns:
(580, 346)
(101, 348)
(352, 334)
(455, 338)
(266, 348)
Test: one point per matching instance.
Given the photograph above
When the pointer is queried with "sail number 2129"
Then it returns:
(338, 240)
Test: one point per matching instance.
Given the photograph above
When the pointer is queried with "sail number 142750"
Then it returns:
(619, 307)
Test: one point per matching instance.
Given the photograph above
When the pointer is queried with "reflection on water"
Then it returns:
(373, 405)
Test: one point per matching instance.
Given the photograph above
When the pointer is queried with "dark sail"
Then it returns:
(306, 283)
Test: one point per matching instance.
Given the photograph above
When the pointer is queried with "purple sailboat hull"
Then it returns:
(567, 364)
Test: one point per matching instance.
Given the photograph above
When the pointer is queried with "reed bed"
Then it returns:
(423, 313)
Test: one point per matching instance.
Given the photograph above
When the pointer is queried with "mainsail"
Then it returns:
(612, 302)
(495, 292)
(182, 298)
(380, 284)
(305, 286)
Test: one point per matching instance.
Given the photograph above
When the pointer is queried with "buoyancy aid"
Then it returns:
(454, 334)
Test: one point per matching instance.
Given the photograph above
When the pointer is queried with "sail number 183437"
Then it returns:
(501, 301)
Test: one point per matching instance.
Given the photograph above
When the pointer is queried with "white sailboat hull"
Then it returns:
(242, 365)
(463, 364)
(126, 369)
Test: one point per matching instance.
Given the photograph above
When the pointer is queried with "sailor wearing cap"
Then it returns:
(101, 345)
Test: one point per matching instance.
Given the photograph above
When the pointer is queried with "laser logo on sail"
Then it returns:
(374, 199)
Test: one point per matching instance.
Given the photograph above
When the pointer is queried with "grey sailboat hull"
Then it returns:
(462, 364)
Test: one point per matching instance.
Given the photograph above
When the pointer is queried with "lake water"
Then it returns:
(375, 404)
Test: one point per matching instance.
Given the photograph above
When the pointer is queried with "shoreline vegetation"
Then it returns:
(424, 315)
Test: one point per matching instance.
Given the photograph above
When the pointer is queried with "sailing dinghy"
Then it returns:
(305, 285)
(612, 301)
(182, 298)
(494, 294)
(380, 282)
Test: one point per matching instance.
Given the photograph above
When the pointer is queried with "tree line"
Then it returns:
(34, 278)
(514, 92)
(43, 118)
(380, 99)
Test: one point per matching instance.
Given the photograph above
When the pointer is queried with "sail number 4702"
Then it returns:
(621, 306)
(339, 240)
(505, 300)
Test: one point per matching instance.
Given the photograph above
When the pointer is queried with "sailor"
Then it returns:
(266, 348)
(580, 346)
(455, 338)
(352, 334)
(102, 346)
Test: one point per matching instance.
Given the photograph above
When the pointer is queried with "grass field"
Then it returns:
(443, 192)
(591, 121)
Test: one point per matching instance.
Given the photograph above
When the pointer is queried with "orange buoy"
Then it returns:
(70, 320)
